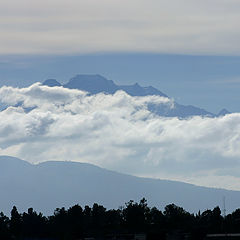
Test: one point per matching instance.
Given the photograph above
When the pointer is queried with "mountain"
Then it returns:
(52, 83)
(49, 185)
(223, 112)
(137, 90)
(178, 110)
(94, 84)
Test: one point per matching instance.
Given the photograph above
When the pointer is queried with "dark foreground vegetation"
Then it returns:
(134, 218)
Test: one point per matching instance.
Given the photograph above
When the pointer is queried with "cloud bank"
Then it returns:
(41, 123)
(79, 26)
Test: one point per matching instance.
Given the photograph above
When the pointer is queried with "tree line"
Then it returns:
(98, 222)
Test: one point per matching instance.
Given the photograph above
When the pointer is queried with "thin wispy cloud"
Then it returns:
(75, 27)
(118, 132)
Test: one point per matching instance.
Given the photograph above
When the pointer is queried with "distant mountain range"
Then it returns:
(94, 84)
(49, 185)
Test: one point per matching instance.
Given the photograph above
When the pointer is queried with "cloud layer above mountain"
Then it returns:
(118, 132)
(79, 26)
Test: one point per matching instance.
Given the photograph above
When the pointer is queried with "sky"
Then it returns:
(79, 26)
(187, 49)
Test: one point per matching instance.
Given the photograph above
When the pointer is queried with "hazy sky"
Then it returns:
(80, 26)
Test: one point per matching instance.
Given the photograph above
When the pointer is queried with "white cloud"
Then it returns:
(118, 132)
(79, 26)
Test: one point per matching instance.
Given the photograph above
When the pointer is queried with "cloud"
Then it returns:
(118, 132)
(70, 27)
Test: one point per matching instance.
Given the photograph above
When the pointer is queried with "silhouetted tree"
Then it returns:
(177, 217)
(33, 224)
(135, 215)
(15, 223)
(157, 224)
(114, 221)
(98, 219)
(59, 224)
(75, 221)
(4, 227)
(78, 223)
(232, 222)
(87, 213)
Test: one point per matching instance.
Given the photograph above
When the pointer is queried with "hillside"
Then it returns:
(48, 185)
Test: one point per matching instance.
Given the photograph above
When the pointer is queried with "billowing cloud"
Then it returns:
(79, 26)
(118, 132)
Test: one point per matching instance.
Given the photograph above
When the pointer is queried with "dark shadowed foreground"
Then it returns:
(134, 221)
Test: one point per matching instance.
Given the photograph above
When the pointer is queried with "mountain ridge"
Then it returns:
(66, 183)
(94, 84)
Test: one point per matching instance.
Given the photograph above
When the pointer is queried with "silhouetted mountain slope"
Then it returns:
(55, 184)
(96, 84)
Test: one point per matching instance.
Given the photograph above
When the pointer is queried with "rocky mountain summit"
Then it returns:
(94, 84)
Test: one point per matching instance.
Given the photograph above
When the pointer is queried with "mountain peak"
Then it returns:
(51, 83)
(223, 112)
(95, 83)
(92, 84)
